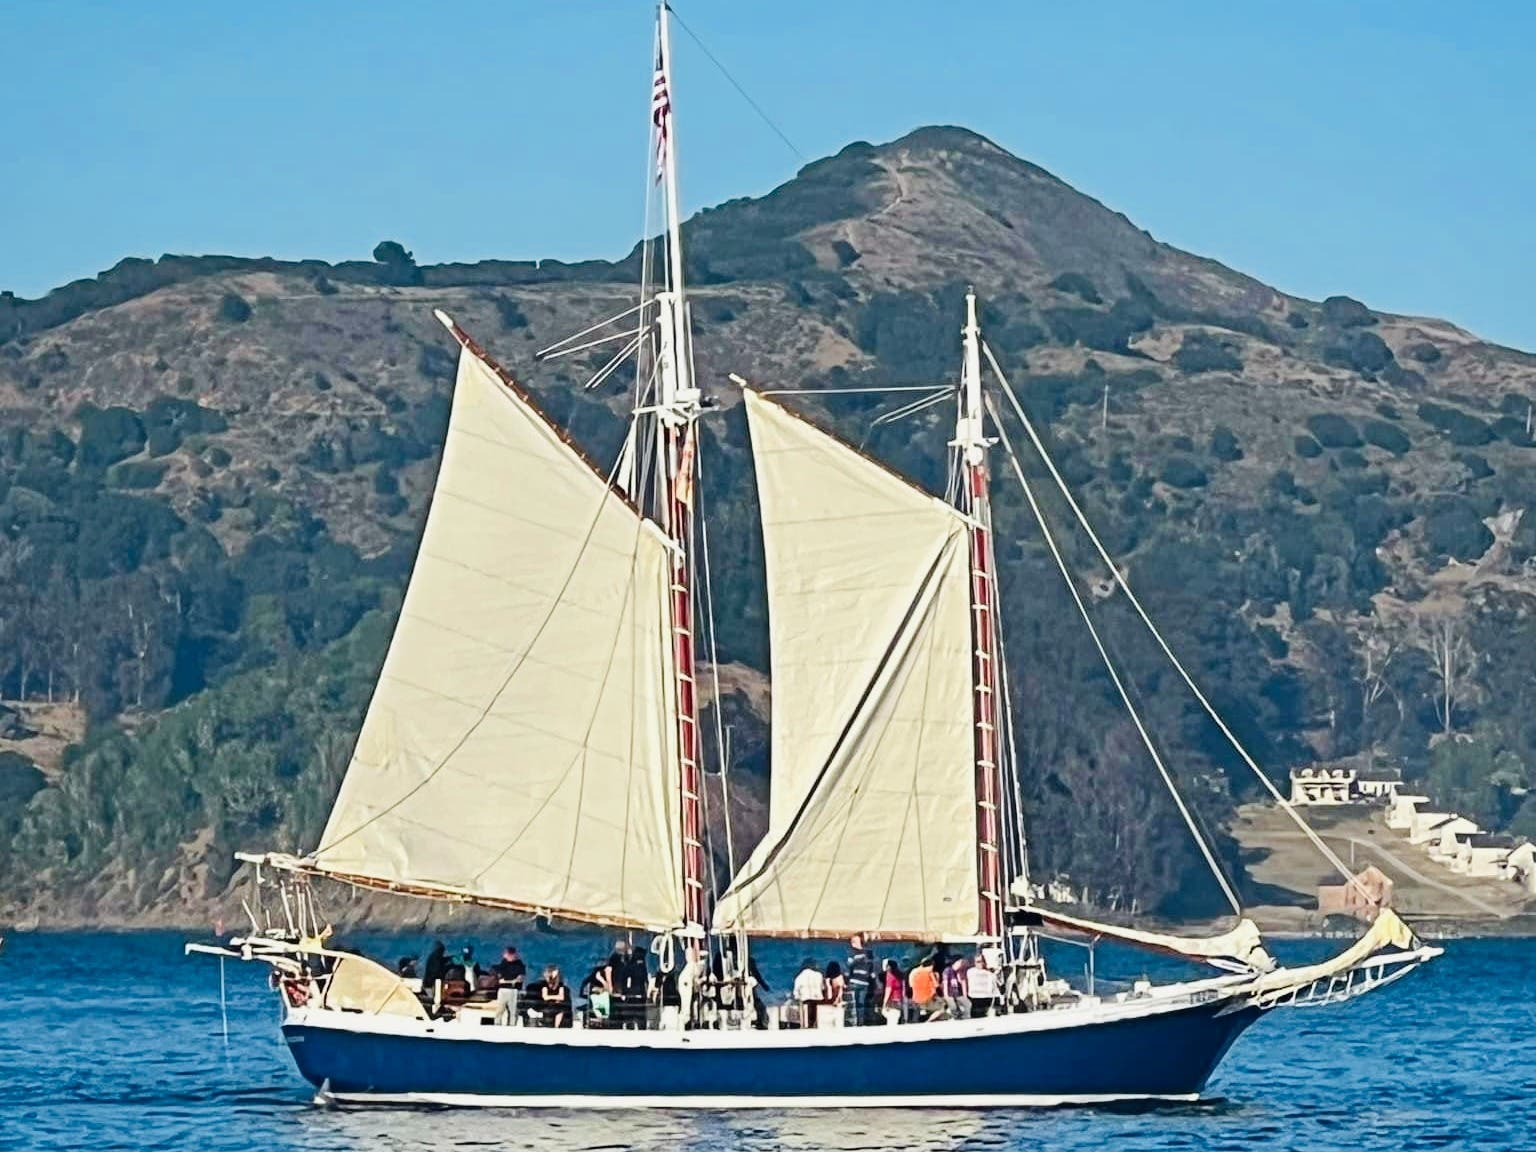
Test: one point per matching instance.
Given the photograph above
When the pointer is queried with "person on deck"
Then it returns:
(893, 993)
(759, 986)
(810, 989)
(553, 997)
(861, 978)
(436, 967)
(956, 1006)
(599, 1002)
(624, 978)
(471, 969)
(669, 1001)
(836, 989)
(510, 973)
(925, 989)
(981, 987)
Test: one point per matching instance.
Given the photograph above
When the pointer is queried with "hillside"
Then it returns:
(213, 470)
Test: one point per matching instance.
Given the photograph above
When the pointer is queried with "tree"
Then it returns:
(392, 252)
(233, 309)
(1376, 653)
(399, 264)
(1452, 656)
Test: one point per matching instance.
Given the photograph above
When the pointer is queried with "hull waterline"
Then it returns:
(1008, 1061)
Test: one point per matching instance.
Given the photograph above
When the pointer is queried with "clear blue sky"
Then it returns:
(1385, 151)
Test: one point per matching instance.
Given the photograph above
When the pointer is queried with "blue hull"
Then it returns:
(1170, 1054)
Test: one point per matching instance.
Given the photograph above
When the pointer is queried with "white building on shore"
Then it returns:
(1324, 786)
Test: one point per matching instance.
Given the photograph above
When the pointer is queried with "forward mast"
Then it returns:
(972, 444)
(677, 407)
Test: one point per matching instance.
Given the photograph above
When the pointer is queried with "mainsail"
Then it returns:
(520, 747)
(873, 810)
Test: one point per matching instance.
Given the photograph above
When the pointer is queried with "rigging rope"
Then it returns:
(1013, 810)
(766, 119)
(1328, 853)
(1109, 665)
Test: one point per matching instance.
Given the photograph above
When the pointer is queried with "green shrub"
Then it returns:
(436, 363)
(163, 439)
(1103, 331)
(1077, 284)
(1453, 528)
(1308, 448)
(511, 313)
(1424, 352)
(1477, 465)
(136, 474)
(1360, 351)
(1182, 472)
(847, 255)
(1224, 445)
(108, 435)
(1333, 431)
(1405, 378)
(1512, 429)
(1343, 312)
(1388, 437)
(233, 309)
(1463, 428)
(1202, 352)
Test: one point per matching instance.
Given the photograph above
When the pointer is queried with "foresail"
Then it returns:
(520, 744)
(872, 803)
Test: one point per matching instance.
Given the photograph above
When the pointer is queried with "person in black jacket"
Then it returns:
(510, 973)
(436, 968)
(861, 979)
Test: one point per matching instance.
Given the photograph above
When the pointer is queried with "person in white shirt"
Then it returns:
(810, 989)
(980, 987)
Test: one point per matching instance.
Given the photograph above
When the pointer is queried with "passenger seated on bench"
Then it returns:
(552, 997)
(599, 1002)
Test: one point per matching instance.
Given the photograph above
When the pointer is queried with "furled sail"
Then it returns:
(1240, 948)
(872, 823)
(520, 746)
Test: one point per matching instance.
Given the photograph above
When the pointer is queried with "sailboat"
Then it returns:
(534, 745)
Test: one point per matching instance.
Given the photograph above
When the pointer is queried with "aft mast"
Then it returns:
(972, 446)
(677, 405)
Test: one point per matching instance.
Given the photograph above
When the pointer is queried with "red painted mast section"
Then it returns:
(973, 449)
(680, 448)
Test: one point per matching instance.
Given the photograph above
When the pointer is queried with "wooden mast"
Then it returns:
(972, 445)
(678, 411)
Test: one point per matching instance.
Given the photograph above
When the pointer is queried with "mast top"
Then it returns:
(969, 433)
(678, 394)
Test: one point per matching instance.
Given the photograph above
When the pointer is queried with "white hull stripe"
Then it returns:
(730, 1103)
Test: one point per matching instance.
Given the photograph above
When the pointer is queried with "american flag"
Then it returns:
(661, 114)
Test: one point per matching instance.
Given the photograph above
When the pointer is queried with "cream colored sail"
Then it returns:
(872, 811)
(520, 746)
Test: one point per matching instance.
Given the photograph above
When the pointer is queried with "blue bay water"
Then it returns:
(116, 1042)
